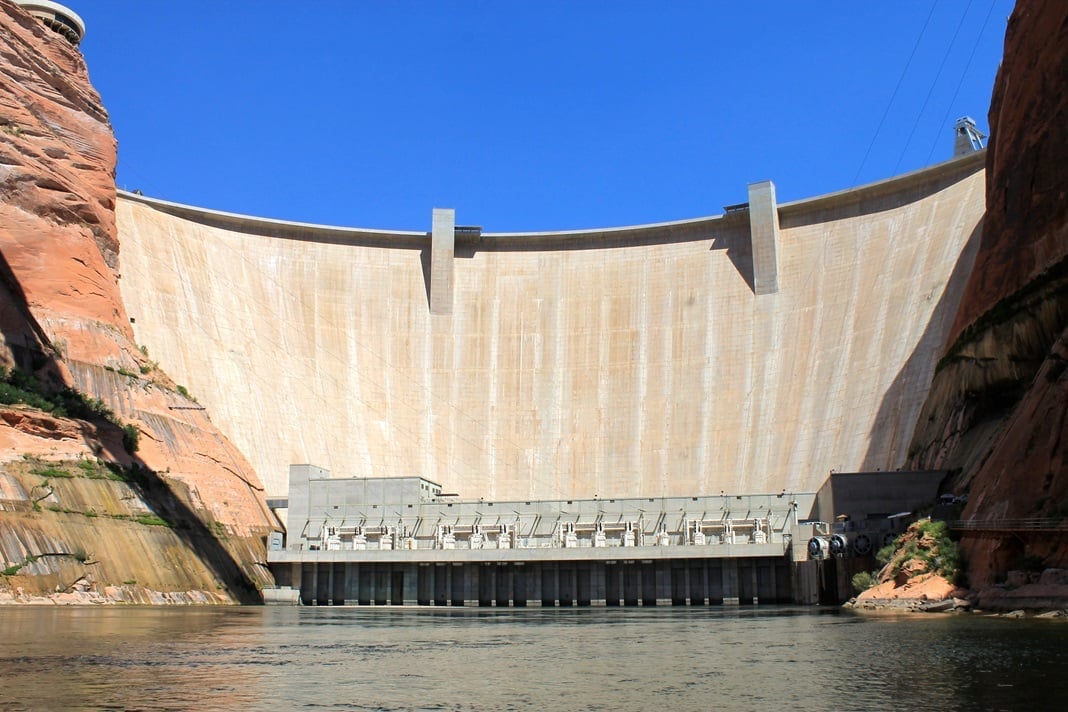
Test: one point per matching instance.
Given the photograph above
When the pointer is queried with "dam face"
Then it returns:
(645, 361)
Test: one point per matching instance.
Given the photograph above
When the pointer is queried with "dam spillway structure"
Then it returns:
(751, 351)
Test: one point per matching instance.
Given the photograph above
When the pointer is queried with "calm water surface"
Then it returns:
(606, 659)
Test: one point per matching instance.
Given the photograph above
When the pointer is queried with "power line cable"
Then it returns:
(893, 96)
(956, 92)
(934, 83)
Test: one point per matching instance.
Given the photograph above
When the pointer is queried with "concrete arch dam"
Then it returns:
(748, 352)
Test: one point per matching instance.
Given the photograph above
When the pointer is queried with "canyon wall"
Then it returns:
(997, 410)
(637, 361)
(623, 362)
(62, 319)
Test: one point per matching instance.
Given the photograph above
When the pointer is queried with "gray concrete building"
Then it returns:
(403, 541)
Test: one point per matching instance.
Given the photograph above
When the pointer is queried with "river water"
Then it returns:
(763, 658)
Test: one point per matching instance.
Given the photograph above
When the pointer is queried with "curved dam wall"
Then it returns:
(644, 361)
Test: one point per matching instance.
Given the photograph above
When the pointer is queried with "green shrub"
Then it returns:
(131, 438)
(89, 468)
(20, 387)
(941, 556)
(886, 553)
(863, 581)
(48, 471)
(151, 520)
(17, 386)
(133, 474)
(184, 392)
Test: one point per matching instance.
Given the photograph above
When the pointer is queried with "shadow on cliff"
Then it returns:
(32, 351)
(162, 500)
(897, 419)
(30, 347)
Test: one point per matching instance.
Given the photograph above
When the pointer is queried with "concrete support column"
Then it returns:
(348, 595)
(424, 584)
(505, 586)
(307, 584)
(696, 588)
(765, 590)
(549, 588)
(584, 583)
(471, 579)
(565, 584)
(382, 584)
(663, 583)
(320, 582)
(649, 583)
(730, 582)
(442, 249)
(520, 588)
(764, 233)
(597, 584)
(457, 580)
(533, 584)
(632, 584)
(411, 585)
(613, 587)
(680, 585)
(353, 575)
(336, 585)
(715, 582)
(487, 584)
(295, 571)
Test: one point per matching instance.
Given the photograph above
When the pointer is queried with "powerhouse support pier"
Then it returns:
(619, 582)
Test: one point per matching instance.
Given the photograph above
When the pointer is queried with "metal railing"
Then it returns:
(1049, 524)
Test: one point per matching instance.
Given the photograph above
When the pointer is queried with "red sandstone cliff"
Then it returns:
(62, 318)
(998, 407)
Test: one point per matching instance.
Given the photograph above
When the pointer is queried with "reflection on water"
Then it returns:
(349, 658)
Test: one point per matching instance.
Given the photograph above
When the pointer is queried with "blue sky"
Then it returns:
(536, 115)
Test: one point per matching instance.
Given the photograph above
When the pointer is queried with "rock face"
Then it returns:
(914, 594)
(918, 569)
(997, 407)
(62, 316)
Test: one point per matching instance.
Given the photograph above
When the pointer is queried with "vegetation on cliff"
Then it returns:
(19, 387)
(925, 548)
(71, 529)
